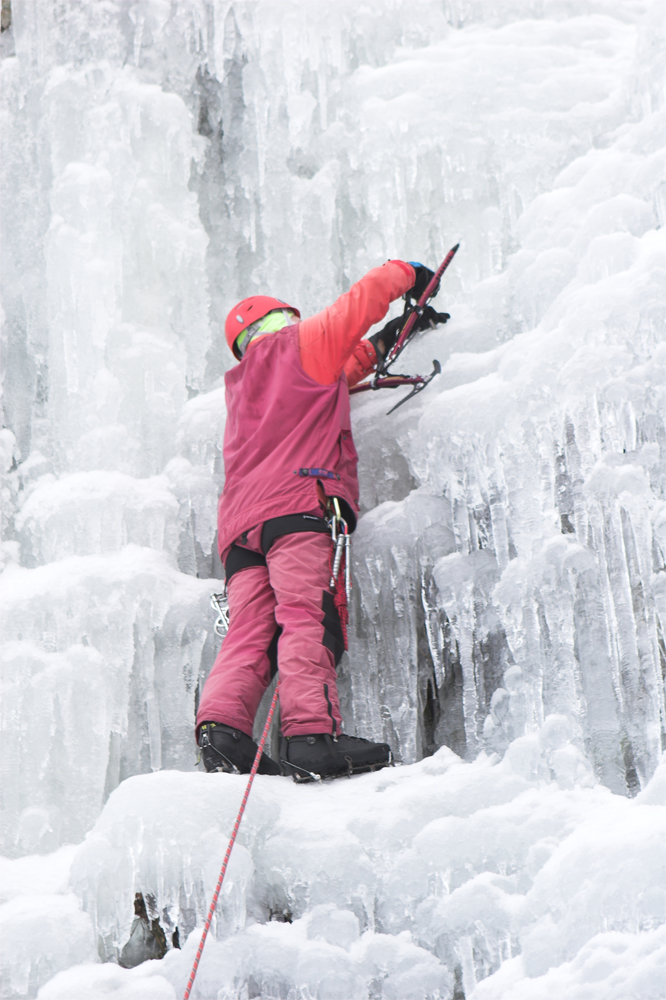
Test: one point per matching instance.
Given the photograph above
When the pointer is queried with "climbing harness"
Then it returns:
(382, 379)
(220, 880)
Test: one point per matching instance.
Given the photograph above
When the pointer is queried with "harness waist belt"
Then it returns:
(240, 558)
(289, 525)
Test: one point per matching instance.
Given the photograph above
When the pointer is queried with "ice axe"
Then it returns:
(382, 379)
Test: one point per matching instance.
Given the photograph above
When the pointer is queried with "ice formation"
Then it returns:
(162, 160)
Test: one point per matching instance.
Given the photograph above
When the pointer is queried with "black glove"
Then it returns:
(423, 278)
(388, 336)
(430, 319)
(390, 333)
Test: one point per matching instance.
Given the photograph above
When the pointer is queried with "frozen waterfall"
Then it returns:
(162, 159)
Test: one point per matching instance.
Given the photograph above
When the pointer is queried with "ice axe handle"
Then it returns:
(409, 325)
(434, 281)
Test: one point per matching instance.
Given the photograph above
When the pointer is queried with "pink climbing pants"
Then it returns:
(281, 613)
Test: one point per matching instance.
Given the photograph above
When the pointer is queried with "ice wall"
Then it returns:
(105, 331)
(162, 160)
(430, 881)
(547, 451)
(175, 157)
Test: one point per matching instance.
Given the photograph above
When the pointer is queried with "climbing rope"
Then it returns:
(220, 880)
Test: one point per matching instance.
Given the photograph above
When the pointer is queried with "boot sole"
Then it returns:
(301, 776)
(226, 766)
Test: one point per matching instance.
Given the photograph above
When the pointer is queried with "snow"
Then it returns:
(41, 935)
(35, 873)
(160, 162)
(398, 877)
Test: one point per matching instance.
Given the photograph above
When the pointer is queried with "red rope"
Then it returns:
(218, 887)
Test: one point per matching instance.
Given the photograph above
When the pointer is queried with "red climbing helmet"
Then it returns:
(248, 311)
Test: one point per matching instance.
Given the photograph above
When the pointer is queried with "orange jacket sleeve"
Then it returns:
(329, 342)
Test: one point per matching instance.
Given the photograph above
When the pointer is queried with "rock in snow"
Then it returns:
(163, 160)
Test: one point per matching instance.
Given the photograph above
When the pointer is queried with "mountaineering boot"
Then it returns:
(310, 758)
(224, 748)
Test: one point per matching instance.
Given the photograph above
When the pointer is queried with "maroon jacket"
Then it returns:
(288, 409)
(280, 421)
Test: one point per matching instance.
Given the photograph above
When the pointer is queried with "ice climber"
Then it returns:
(290, 466)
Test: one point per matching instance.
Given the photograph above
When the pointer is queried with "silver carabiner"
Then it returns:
(220, 603)
(338, 539)
(348, 584)
(337, 559)
(341, 541)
